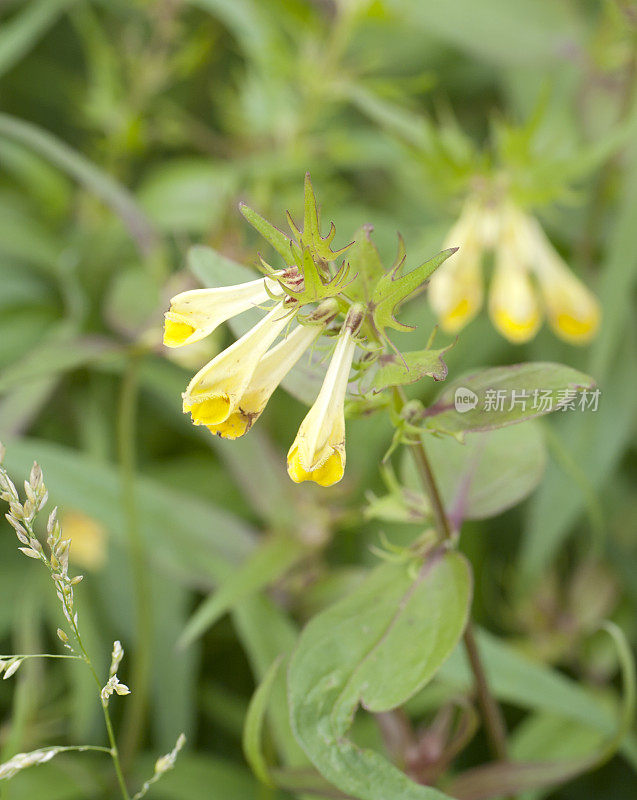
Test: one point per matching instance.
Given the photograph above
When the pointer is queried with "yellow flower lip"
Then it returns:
(455, 319)
(515, 330)
(196, 313)
(211, 411)
(235, 426)
(326, 474)
(216, 391)
(318, 451)
(576, 330)
(176, 333)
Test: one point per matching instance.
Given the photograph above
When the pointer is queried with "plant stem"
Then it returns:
(489, 708)
(491, 713)
(114, 751)
(140, 668)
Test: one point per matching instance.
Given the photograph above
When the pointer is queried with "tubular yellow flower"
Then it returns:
(455, 289)
(572, 309)
(88, 540)
(525, 262)
(513, 303)
(215, 392)
(270, 371)
(318, 452)
(196, 313)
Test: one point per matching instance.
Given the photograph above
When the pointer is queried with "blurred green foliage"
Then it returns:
(131, 129)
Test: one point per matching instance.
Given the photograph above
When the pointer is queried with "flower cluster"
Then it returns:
(354, 303)
(230, 393)
(530, 278)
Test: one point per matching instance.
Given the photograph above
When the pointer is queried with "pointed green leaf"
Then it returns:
(311, 236)
(391, 291)
(366, 268)
(399, 369)
(375, 648)
(279, 241)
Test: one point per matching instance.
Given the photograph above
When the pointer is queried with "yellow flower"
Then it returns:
(196, 313)
(513, 302)
(455, 289)
(572, 309)
(88, 540)
(270, 371)
(525, 260)
(318, 452)
(214, 394)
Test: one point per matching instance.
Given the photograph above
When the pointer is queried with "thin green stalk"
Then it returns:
(114, 751)
(23, 656)
(140, 668)
(70, 616)
(491, 713)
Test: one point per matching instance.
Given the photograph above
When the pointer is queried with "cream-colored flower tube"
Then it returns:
(196, 313)
(216, 390)
(318, 452)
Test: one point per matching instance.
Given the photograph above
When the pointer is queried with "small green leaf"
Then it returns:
(391, 291)
(279, 241)
(366, 268)
(310, 236)
(253, 729)
(493, 398)
(399, 369)
(375, 648)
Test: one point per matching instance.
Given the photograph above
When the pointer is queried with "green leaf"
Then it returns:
(520, 681)
(529, 32)
(398, 369)
(587, 450)
(366, 267)
(54, 357)
(486, 474)
(22, 32)
(391, 291)
(266, 632)
(279, 240)
(266, 564)
(501, 779)
(253, 729)
(196, 776)
(310, 236)
(85, 172)
(502, 396)
(375, 648)
(187, 195)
